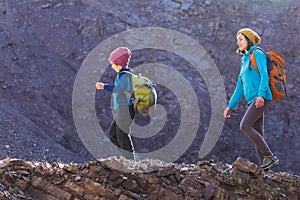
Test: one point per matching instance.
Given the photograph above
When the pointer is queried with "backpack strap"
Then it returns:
(128, 94)
(126, 72)
(132, 99)
(253, 61)
(252, 58)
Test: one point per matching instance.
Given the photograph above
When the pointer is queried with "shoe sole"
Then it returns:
(269, 166)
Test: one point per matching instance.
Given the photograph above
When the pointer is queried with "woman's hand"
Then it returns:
(100, 86)
(259, 102)
(227, 112)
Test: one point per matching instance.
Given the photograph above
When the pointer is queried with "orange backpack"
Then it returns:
(277, 77)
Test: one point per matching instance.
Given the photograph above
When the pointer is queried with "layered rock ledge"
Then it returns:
(121, 179)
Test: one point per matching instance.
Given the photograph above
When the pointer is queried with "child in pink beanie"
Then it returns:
(119, 130)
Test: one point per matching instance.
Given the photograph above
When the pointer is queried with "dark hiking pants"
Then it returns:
(119, 130)
(252, 125)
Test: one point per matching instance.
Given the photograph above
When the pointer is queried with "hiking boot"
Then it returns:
(269, 161)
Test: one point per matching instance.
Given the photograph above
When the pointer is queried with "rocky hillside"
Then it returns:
(148, 179)
(43, 43)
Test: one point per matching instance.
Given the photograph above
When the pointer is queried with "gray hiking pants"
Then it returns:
(119, 131)
(252, 125)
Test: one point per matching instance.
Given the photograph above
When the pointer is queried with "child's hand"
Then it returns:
(100, 86)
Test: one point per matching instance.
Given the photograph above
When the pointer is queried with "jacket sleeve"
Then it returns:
(123, 84)
(109, 87)
(261, 63)
(237, 94)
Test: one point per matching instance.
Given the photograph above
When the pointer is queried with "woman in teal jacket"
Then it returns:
(254, 86)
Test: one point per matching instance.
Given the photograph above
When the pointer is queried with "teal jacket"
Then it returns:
(250, 83)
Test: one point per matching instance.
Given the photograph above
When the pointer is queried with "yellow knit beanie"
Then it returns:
(252, 35)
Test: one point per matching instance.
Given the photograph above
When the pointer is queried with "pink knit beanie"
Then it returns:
(120, 56)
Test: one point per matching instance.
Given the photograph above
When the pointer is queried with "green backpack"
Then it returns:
(144, 95)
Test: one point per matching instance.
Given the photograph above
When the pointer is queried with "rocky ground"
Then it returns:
(43, 43)
(146, 179)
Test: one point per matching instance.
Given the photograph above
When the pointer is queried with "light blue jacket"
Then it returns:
(250, 83)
